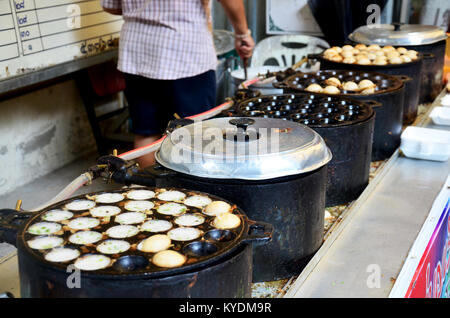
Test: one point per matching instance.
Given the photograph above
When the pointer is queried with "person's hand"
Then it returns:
(244, 46)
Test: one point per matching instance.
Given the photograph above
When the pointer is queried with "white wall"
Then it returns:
(41, 131)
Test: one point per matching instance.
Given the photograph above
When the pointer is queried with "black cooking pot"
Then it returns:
(411, 70)
(345, 124)
(228, 278)
(286, 188)
(432, 70)
(218, 265)
(429, 40)
(348, 172)
(386, 100)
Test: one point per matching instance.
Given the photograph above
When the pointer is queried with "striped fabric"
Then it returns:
(164, 39)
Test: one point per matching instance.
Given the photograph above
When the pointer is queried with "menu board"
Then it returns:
(35, 34)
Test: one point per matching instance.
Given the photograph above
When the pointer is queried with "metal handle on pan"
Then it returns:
(243, 94)
(280, 85)
(373, 103)
(10, 223)
(428, 56)
(404, 78)
(314, 55)
(158, 171)
(127, 172)
(146, 177)
(259, 233)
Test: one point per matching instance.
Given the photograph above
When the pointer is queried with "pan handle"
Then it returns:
(259, 233)
(404, 78)
(146, 177)
(158, 171)
(280, 85)
(245, 93)
(10, 223)
(428, 56)
(314, 56)
(373, 103)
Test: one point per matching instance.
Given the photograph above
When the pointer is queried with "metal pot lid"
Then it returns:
(243, 148)
(398, 34)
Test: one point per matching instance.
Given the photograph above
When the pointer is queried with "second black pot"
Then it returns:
(348, 172)
(432, 70)
(386, 102)
(412, 87)
(388, 122)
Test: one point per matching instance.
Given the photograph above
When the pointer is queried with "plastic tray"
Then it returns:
(440, 116)
(425, 143)
(445, 101)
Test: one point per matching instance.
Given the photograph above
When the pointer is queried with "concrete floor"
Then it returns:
(46, 187)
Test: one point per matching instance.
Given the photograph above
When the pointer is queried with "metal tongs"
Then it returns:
(244, 65)
(244, 62)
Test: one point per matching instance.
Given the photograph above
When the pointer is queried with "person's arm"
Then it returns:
(112, 6)
(235, 11)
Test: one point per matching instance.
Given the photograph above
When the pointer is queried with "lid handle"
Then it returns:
(241, 133)
(242, 123)
(397, 26)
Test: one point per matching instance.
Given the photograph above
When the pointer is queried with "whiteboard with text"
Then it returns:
(36, 34)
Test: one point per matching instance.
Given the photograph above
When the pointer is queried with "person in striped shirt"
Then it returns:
(167, 55)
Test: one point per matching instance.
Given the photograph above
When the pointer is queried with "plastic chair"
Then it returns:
(286, 50)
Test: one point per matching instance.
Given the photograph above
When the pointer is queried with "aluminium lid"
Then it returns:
(398, 34)
(243, 148)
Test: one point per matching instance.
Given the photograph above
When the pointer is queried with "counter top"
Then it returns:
(376, 232)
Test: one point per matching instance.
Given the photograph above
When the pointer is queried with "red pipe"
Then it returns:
(130, 153)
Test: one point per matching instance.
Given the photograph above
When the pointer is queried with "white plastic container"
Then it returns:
(445, 101)
(440, 115)
(425, 143)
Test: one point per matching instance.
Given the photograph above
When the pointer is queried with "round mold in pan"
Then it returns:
(313, 110)
(384, 83)
(209, 246)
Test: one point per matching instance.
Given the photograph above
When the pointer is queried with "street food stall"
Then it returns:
(325, 177)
